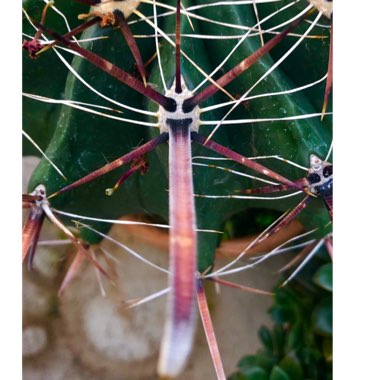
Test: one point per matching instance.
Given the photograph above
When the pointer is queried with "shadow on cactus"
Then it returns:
(174, 78)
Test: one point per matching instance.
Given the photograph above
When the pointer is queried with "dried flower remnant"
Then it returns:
(34, 46)
(105, 9)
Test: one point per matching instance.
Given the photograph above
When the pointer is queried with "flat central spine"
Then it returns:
(182, 214)
(179, 331)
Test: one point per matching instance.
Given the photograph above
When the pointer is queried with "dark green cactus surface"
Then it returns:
(80, 142)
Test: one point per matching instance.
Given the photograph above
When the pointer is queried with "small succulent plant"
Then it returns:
(299, 346)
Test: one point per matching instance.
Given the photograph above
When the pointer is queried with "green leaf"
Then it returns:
(287, 306)
(278, 374)
(324, 277)
(279, 338)
(327, 349)
(295, 336)
(266, 337)
(291, 365)
(322, 317)
(256, 373)
(247, 361)
(263, 359)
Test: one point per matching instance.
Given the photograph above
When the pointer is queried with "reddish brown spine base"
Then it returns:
(80, 28)
(180, 324)
(224, 151)
(329, 204)
(137, 165)
(126, 31)
(30, 234)
(135, 154)
(29, 198)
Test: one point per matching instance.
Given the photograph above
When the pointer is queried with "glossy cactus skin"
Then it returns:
(82, 142)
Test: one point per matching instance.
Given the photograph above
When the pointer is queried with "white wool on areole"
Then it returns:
(324, 6)
(124, 6)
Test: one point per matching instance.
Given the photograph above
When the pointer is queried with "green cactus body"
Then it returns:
(84, 142)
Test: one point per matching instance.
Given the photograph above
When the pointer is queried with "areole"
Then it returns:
(324, 6)
(166, 118)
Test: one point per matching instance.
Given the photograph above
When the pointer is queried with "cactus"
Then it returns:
(273, 118)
